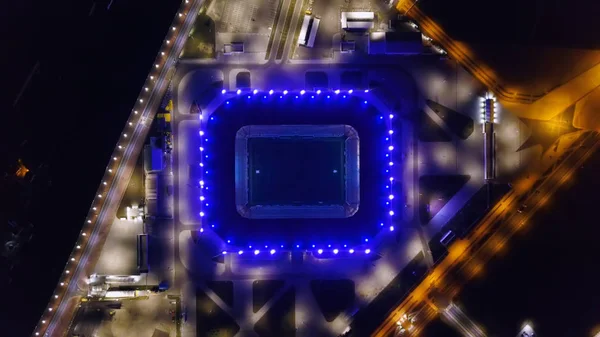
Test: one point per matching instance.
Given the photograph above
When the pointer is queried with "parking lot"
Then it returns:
(330, 26)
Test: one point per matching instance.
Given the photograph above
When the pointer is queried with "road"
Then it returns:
(466, 257)
(462, 54)
(63, 304)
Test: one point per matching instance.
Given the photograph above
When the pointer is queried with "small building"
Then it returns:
(357, 20)
(347, 46)
(153, 156)
(395, 43)
(308, 31)
(233, 48)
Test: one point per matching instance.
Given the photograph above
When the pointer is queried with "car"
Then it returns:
(447, 238)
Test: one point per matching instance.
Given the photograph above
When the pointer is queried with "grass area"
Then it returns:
(333, 296)
(430, 131)
(286, 29)
(211, 320)
(462, 126)
(201, 41)
(263, 291)
(280, 320)
(439, 189)
(273, 28)
(223, 289)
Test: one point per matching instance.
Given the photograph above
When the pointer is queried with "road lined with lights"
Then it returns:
(466, 257)
(62, 306)
(462, 54)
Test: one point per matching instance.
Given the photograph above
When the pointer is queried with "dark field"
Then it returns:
(296, 171)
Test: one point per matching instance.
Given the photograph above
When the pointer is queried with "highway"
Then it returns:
(462, 54)
(466, 257)
(63, 304)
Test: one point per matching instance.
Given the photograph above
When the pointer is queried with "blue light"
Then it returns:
(391, 178)
(271, 92)
(223, 91)
(391, 213)
(381, 117)
(213, 226)
(344, 96)
(391, 132)
(281, 246)
(391, 147)
(350, 91)
(265, 96)
(272, 251)
(381, 224)
(201, 213)
(228, 241)
(255, 91)
(391, 163)
(335, 251)
(345, 246)
(328, 96)
(224, 252)
(328, 246)
(366, 240)
(201, 133)
(367, 251)
(240, 252)
(213, 117)
(250, 247)
(238, 91)
(366, 90)
(285, 92)
(391, 116)
(318, 92)
(365, 102)
(313, 246)
(391, 197)
(391, 228)
(312, 96)
(256, 252)
(249, 96)
(320, 251)
(351, 251)
(337, 91)
(302, 92)
(297, 246)
(296, 96)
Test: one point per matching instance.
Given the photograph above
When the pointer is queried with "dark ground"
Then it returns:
(531, 45)
(90, 70)
(550, 274)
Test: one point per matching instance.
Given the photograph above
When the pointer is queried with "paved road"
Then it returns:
(467, 257)
(63, 304)
(461, 54)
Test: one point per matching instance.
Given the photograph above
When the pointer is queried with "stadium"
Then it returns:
(306, 170)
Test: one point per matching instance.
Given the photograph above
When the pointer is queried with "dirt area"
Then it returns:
(243, 16)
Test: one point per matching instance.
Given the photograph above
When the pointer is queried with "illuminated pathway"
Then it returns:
(62, 306)
(467, 257)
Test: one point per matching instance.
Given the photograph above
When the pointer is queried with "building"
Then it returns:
(308, 32)
(395, 43)
(358, 20)
(233, 48)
